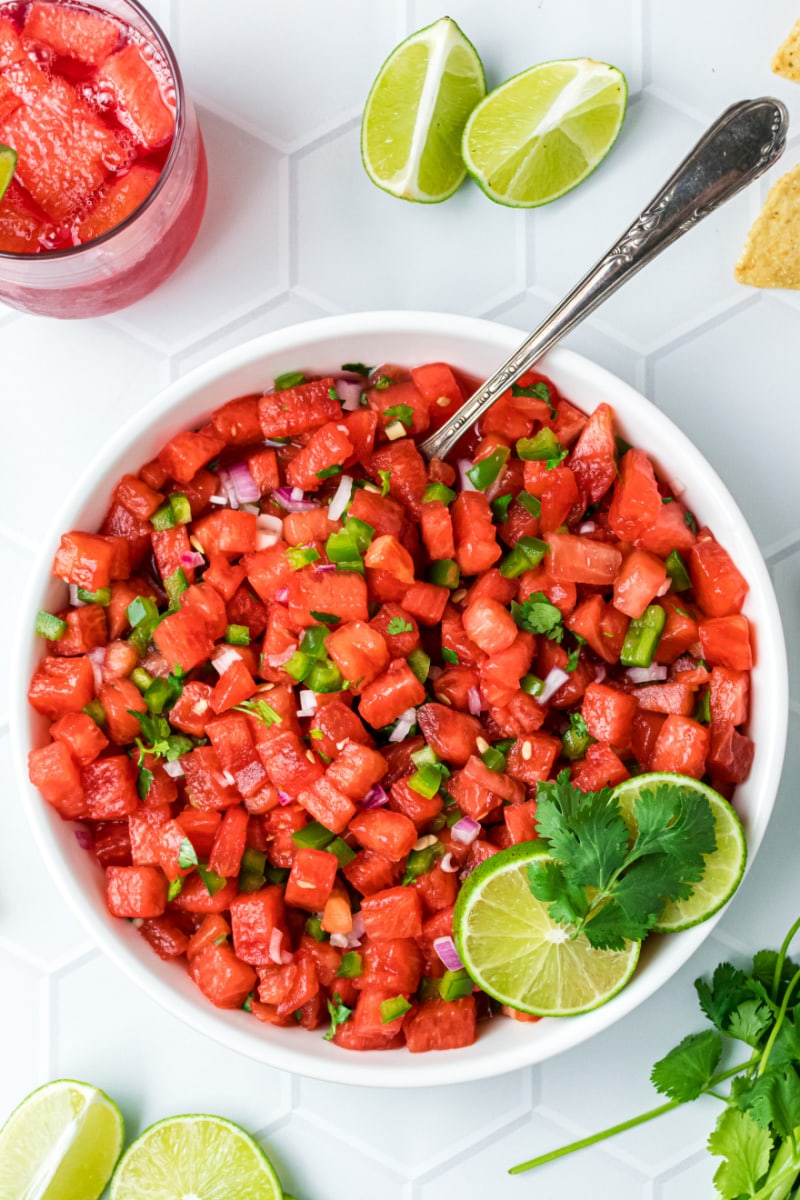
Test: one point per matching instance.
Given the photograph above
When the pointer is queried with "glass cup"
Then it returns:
(130, 260)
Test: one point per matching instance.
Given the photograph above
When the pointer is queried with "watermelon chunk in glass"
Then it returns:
(141, 105)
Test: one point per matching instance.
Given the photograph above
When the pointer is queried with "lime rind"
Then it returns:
(195, 1154)
(8, 165)
(542, 132)
(724, 868)
(61, 1141)
(416, 111)
(517, 954)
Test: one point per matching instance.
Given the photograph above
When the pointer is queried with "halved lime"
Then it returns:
(539, 134)
(195, 1157)
(60, 1143)
(416, 111)
(724, 868)
(8, 165)
(513, 949)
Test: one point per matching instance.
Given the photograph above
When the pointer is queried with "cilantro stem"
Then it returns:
(631, 1123)
(762, 1066)
(781, 959)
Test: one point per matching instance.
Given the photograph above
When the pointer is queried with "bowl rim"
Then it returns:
(161, 981)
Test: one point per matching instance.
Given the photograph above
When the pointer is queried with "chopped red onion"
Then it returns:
(448, 865)
(73, 596)
(652, 674)
(293, 500)
(554, 680)
(282, 596)
(445, 947)
(229, 779)
(97, 657)
(666, 585)
(325, 568)
(587, 527)
(474, 701)
(279, 443)
(405, 723)
(465, 831)
(284, 798)
(467, 485)
(279, 956)
(434, 673)
(246, 488)
(339, 940)
(349, 394)
(224, 659)
(278, 660)
(228, 486)
(308, 703)
(174, 769)
(191, 559)
(218, 500)
(269, 531)
(341, 498)
(84, 839)
(600, 672)
(376, 797)
(358, 925)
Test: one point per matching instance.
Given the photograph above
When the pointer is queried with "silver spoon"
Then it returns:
(740, 145)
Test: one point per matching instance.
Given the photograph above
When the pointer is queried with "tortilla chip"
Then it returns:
(771, 255)
(786, 60)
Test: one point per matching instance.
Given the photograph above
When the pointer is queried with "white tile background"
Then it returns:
(294, 230)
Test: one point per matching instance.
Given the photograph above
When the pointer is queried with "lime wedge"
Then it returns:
(8, 165)
(195, 1158)
(724, 868)
(513, 949)
(540, 133)
(60, 1143)
(416, 111)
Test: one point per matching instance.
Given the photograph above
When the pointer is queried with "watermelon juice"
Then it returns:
(110, 181)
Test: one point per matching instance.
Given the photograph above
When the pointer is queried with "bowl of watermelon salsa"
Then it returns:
(282, 694)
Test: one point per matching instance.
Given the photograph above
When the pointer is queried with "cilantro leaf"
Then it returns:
(329, 472)
(689, 1067)
(175, 886)
(728, 989)
(358, 368)
(382, 382)
(538, 615)
(144, 781)
(214, 882)
(537, 391)
(325, 618)
(403, 413)
(264, 712)
(746, 1152)
(339, 1013)
(449, 656)
(386, 481)
(397, 625)
(749, 1022)
(585, 830)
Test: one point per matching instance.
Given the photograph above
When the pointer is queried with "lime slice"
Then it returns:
(540, 133)
(416, 111)
(8, 165)
(60, 1143)
(724, 868)
(195, 1158)
(513, 949)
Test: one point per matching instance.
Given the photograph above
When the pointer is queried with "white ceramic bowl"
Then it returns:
(477, 347)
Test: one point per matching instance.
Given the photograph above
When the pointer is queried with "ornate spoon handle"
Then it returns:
(741, 144)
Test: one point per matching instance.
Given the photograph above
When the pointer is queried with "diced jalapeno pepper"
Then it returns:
(643, 636)
(438, 491)
(676, 569)
(527, 554)
(445, 572)
(313, 836)
(486, 470)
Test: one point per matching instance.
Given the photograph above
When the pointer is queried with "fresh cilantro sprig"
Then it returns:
(602, 882)
(403, 413)
(538, 615)
(262, 711)
(397, 625)
(339, 1013)
(158, 738)
(757, 1134)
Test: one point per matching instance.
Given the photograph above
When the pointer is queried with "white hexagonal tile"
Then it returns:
(705, 64)
(330, 72)
(33, 916)
(95, 377)
(287, 309)
(694, 277)
(569, 1176)
(22, 1033)
(238, 259)
(528, 311)
(466, 1114)
(694, 1179)
(106, 1028)
(517, 34)
(17, 561)
(717, 388)
(314, 1161)
(786, 578)
(409, 255)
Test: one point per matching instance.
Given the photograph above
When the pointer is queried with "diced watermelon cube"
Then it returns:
(183, 639)
(326, 804)
(298, 409)
(441, 1025)
(187, 452)
(164, 936)
(71, 31)
(11, 48)
(388, 833)
(311, 878)
(84, 559)
(229, 843)
(222, 977)
(22, 226)
(121, 197)
(141, 104)
(61, 685)
(136, 891)
(254, 917)
(394, 913)
(55, 773)
(110, 786)
(82, 737)
(394, 964)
